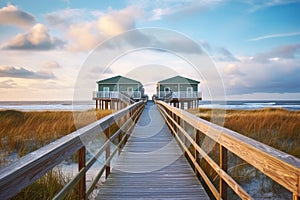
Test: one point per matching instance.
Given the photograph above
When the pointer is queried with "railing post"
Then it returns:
(295, 197)
(196, 153)
(223, 166)
(119, 140)
(82, 182)
(107, 152)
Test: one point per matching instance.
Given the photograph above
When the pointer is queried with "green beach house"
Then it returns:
(118, 88)
(179, 90)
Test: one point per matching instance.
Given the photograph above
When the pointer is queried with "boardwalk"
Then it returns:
(151, 165)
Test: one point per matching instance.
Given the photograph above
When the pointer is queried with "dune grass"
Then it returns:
(46, 187)
(278, 128)
(23, 132)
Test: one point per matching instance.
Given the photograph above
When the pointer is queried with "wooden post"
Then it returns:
(196, 153)
(223, 165)
(107, 152)
(182, 105)
(106, 105)
(295, 197)
(119, 140)
(82, 182)
(96, 104)
(111, 104)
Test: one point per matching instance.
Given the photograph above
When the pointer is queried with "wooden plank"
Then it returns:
(81, 165)
(151, 165)
(279, 166)
(229, 180)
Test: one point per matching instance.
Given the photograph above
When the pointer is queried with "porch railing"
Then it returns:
(180, 95)
(116, 95)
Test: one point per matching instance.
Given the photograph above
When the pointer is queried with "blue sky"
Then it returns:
(254, 45)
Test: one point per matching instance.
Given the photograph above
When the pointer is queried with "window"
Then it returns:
(167, 90)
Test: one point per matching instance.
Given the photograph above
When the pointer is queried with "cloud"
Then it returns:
(281, 52)
(83, 37)
(118, 21)
(8, 84)
(158, 13)
(162, 8)
(258, 5)
(12, 72)
(37, 38)
(51, 65)
(275, 36)
(264, 74)
(12, 15)
(66, 17)
(218, 53)
(223, 54)
(154, 39)
(86, 35)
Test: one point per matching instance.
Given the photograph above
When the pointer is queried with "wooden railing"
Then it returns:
(21, 173)
(281, 167)
(116, 94)
(180, 95)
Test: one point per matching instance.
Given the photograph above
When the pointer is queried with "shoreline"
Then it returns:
(87, 105)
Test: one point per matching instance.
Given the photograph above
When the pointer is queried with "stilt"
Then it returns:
(182, 105)
(106, 105)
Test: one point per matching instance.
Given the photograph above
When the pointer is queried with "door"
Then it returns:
(189, 92)
(106, 92)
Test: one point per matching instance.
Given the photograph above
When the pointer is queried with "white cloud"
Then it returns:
(118, 21)
(51, 65)
(218, 53)
(275, 36)
(284, 52)
(66, 17)
(86, 35)
(158, 13)
(37, 38)
(258, 4)
(13, 72)
(8, 84)
(157, 9)
(252, 76)
(10, 14)
(83, 37)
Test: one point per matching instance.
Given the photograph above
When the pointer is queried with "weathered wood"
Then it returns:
(223, 166)
(107, 152)
(21, 173)
(279, 166)
(82, 182)
(151, 165)
(197, 140)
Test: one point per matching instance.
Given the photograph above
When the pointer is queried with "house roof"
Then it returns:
(118, 79)
(179, 79)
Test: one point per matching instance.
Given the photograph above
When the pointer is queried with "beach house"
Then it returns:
(180, 91)
(117, 92)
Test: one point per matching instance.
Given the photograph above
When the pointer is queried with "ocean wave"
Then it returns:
(260, 103)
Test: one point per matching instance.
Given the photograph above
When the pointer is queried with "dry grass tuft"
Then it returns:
(278, 128)
(23, 132)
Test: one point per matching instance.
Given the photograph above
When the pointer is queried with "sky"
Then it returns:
(56, 49)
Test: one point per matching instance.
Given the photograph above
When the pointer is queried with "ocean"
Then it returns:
(251, 105)
(86, 105)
